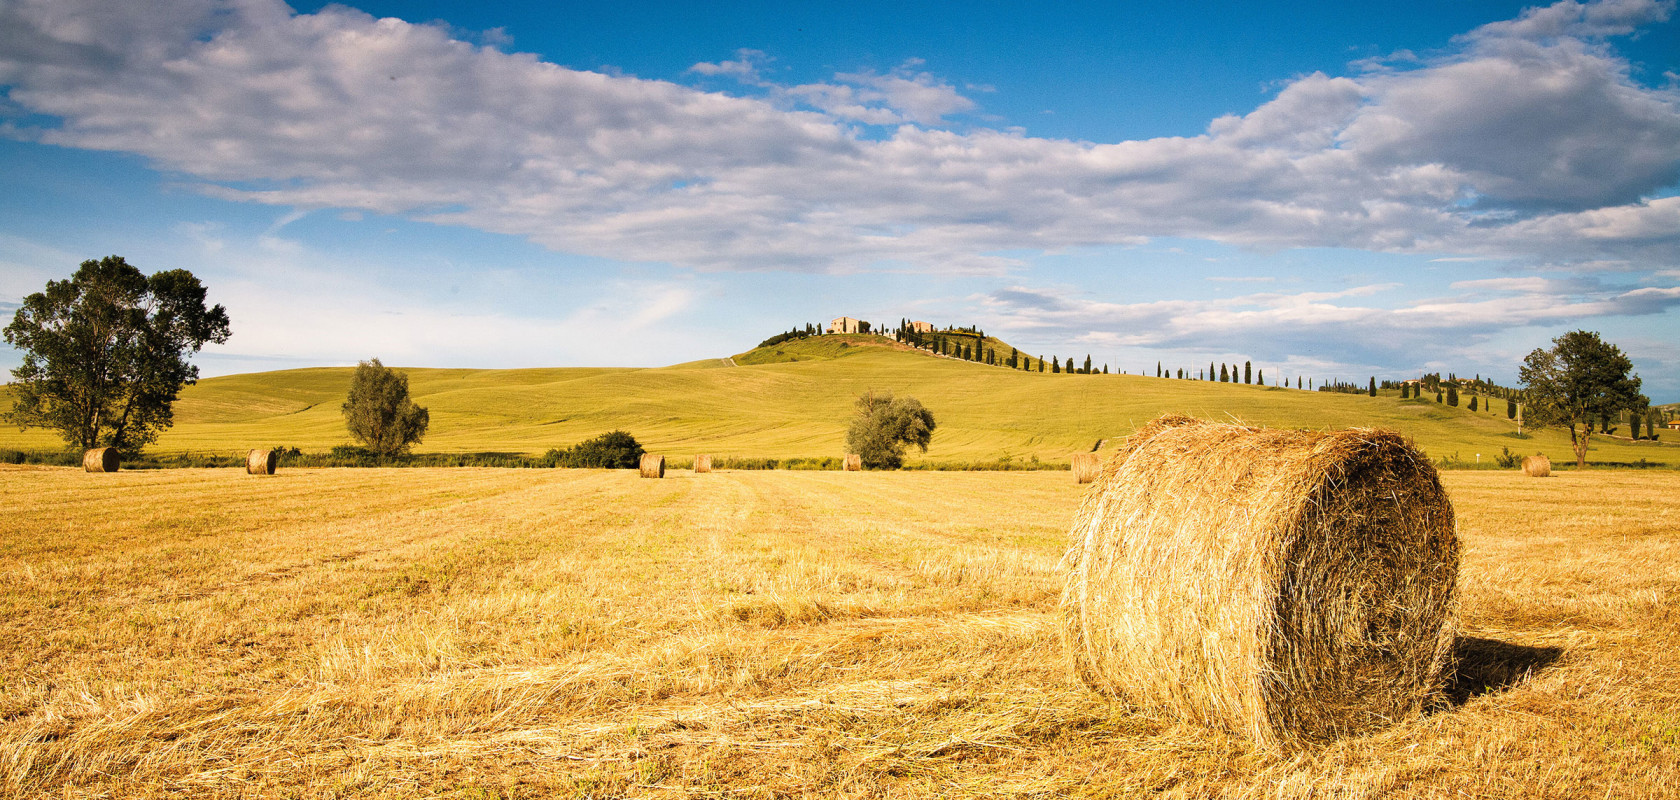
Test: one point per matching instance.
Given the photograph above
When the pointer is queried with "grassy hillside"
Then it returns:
(792, 400)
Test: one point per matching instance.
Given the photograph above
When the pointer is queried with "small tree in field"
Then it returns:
(379, 413)
(1581, 378)
(883, 426)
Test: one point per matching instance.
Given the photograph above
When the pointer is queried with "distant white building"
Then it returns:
(921, 327)
(847, 325)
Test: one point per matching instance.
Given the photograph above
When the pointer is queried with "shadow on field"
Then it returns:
(1488, 665)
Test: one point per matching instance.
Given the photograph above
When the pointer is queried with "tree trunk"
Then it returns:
(1580, 442)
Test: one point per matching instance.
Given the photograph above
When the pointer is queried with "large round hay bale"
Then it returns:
(1287, 585)
(702, 463)
(854, 462)
(652, 466)
(261, 462)
(1086, 466)
(101, 459)
(1537, 466)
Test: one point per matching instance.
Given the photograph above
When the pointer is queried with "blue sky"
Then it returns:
(1326, 190)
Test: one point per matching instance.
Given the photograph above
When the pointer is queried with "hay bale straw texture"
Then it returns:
(1291, 586)
(652, 466)
(261, 462)
(854, 462)
(1086, 467)
(101, 459)
(702, 463)
(1537, 466)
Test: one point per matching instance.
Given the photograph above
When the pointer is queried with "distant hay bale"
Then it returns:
(1537, 466)
(101, 459)
(854, 462)
(1086, 466)
(652, 466)
(702, 463)
(1292, 586)
(261, 462)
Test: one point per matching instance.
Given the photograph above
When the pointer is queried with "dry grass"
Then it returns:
(472, 633)
(1290, 585)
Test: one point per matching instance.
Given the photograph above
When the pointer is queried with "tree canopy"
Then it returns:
(1580, 379)
(379, 413)
(105, 353)
(883, 426)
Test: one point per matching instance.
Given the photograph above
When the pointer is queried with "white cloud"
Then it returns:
(1568, 18)
(1362, 325)
(1526, 143)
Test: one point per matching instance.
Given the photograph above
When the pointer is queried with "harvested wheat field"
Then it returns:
(475, 633)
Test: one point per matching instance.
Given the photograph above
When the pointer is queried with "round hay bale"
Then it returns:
(702, 463)
(261, 462)
(1291, 586)
(652, 466)
(1086, 466)
(1537, 466)
(854, 462)
(101, 459)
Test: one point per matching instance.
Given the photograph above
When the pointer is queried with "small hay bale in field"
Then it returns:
(854, 462)
(1292, 586)
(1086, 466)
(702, 463)
(652, 466)
(261, 462)
(1537, 466)
(101, 459)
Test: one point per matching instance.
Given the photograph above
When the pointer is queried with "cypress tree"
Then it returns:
(1210, 371)
(1452, 396)
(1105, 369)
(1157, 369)
(1087, 369)
(1041, 363)
(1055, 365)
(1260, 377)
(1510, 408)
(1223, 378)
(1373, 389)
(1438, 395)
(1247, 366)
(1472, 402)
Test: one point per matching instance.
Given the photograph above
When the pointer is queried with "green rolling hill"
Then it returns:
(792, 400)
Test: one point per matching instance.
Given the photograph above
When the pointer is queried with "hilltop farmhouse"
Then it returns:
(847, 325)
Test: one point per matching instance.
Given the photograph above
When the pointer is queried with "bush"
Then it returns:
(611, 450)
(883, 426)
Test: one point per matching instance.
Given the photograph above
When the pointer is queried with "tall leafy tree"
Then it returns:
(379, 412)
(105, 353)
(883, 426)
(1582, 377)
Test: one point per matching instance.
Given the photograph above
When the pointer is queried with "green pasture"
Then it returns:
(792, 400)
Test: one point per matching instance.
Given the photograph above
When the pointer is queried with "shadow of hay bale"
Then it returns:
(1486, 666)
